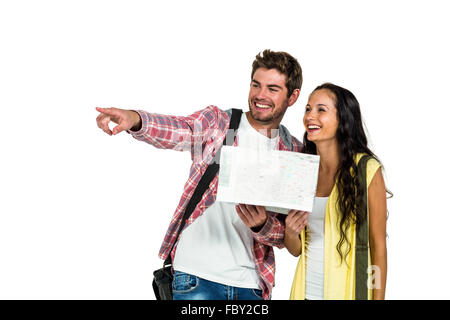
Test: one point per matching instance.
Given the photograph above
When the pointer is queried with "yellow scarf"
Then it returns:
(339, 278)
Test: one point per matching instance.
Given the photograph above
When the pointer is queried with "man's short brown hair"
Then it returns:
(284, 63)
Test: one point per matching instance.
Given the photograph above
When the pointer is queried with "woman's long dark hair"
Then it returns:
(351, 140)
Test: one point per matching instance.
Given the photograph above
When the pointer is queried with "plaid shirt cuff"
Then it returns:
(144, 121)
(272, 233)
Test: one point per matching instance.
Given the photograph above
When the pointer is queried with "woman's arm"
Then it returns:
(295, 223)
(377, 233)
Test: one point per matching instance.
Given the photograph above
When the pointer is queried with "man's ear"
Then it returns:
(294, 96)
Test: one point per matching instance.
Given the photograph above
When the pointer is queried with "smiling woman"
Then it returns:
(334, 130)
(320, 118)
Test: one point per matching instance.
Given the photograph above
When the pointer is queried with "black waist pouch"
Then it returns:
(162, 283)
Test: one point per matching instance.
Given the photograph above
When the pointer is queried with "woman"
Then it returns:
(327, 246)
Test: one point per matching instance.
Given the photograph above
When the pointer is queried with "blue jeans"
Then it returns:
(189, 287)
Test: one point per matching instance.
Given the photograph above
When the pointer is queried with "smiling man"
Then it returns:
(225, 251)
(270, 94)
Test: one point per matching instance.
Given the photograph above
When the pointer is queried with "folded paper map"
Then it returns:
(279, 180)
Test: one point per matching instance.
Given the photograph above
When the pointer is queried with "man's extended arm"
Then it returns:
(165, 131)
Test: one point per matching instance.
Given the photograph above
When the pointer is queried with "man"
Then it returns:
(225, 251)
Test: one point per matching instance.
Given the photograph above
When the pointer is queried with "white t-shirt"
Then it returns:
(217, 246)
(315, 250)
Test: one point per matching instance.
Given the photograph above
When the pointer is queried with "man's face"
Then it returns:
(268, 98)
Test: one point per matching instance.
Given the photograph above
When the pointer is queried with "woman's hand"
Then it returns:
(295, 222)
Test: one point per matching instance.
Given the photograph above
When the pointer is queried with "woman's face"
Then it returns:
(321, 118)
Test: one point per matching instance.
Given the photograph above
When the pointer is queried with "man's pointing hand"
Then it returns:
(125, 120)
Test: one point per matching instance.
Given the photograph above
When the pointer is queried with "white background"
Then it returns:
(83, 214)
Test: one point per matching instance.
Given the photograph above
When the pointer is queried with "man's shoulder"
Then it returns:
(291, 142)
(297, 144)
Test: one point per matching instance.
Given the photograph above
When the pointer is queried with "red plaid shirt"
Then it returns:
(203, 133)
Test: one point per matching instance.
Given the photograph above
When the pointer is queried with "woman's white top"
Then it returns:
(314, 244)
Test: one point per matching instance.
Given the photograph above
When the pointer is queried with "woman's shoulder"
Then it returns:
(360, 155)
(372, 166)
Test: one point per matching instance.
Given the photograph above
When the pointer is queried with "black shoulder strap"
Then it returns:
(362, 236)
(207, 177)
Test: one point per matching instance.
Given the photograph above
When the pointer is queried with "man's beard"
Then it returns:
(262, 118)
(266, 117)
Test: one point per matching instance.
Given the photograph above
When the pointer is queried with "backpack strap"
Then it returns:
(207, 177)
(362, 235)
